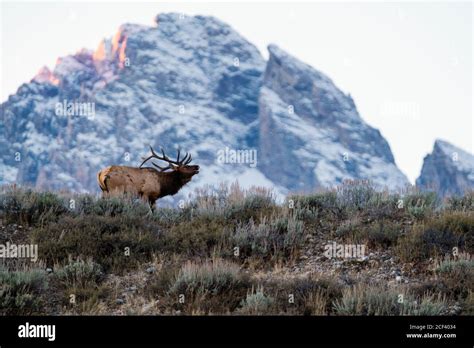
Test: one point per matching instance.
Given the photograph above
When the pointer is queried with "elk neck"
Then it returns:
(171, 182)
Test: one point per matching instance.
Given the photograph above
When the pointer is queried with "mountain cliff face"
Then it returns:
(448, 170)
(196, 83)
(312, 133)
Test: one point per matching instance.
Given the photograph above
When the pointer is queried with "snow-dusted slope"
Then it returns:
(189, 81)
(192, 82)
(311, 133)
(447, 170)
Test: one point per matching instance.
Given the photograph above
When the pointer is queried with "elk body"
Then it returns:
(148, 183)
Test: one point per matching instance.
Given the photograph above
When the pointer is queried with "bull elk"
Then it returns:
(148, 183)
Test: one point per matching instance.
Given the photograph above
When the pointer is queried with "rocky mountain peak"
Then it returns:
(318, 96)
(193, 82)
(315, 132)
(447, 170)
(45, 76)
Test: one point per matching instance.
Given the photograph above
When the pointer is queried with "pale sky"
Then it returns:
(408, 66)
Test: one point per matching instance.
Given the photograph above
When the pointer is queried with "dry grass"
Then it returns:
(213, 250)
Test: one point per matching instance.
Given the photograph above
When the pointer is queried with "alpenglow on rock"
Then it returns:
(196, 83)
(448, 170)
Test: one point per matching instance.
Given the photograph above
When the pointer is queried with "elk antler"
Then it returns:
(186, 159)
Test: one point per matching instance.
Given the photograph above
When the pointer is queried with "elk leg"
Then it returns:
(152, 201)
(146, 198)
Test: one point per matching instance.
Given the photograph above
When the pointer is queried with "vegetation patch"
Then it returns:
(375, 300)
(20, 291)
(116, 244)
(234, 251)
(449, 233)
(213, 286)
(273, 238)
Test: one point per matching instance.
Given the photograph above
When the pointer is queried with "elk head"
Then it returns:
(179, 168)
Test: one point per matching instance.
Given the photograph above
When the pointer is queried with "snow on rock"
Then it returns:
(448, 170)
(193, 82)
(311, 133)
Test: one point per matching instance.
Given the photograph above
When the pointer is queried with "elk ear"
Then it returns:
(174, 167)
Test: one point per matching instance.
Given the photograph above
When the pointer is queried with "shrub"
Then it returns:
(198, 236)
(80, 274)
(253, 206)
(28, 206)
(213, 277)
(234, 204)
(384, 206)
(347, 199)
(96, 232)
(162, 280)
(420, 204)
(212, 198)
(461, 203)
(457, 275)
(310, 295)
(461, 224)
(438, 236)
(214, 286)
(317, 203)
(450, 266)
(169, 217)
(277, 237)
(348, 228)
(20, 291)
(102, 238)
(124, 205)
(383, 233)
(316, 303)
(83, 280)
(366, 300)
(429, 306)
(307, 214)
(356, 197)
(468, 303)
(256, 303)
(374, 300)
